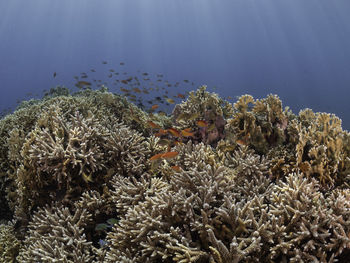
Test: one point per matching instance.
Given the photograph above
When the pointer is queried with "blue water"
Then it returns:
(297, 49)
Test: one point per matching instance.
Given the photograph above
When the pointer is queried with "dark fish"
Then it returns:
(122, 63)
(104, 62)
(92, 70)
(54, 74)
(82, 83)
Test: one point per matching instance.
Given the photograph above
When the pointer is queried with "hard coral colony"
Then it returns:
(90, 177)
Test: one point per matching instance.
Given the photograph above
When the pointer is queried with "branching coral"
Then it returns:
(9, 244)
(56, 235)
(59, 157)
(78, 172)
(322, 150)
(126, 151)
(202, 105)
(261, 123)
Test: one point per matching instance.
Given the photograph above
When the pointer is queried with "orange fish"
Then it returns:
(153, 125)
(174, 132)
(187, 133)
(202, 123)
(170, 155)
(155, 106)
(176, 168)
(155, 157)
(241, 142)
(181, 96)
(162, 131)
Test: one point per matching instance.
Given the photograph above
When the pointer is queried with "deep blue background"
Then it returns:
(298, 49)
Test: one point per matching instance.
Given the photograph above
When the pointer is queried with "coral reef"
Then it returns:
(90, 177)
(9, 244)
(57, 234)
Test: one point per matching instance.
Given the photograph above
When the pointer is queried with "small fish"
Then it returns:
(110, 75)
(124, 81)
(104, 62)
(102, 243)
(111, 70)
(163, 142)
(124, 90)
(156, 157)
(181, 96)
(171, 101)
(154, 107)
(202, 123)
(145, 74)
(92, 70)
(82, 83)
(54, 74)
(176, 168)
(153, 125)
(137, 90)
(241, 142)
(174, 132)
(186, 80)
(187, 133)
(162, 131)
(101, 227)
(112, 221)
(168, 155)
(122, 63)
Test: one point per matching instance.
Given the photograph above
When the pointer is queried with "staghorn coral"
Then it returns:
(305, 224)
(126, 150)
(59, 157)
(192, 220)
(274, 189)
(106, 108)
(57, 235)
(202, 105)
(9, 244)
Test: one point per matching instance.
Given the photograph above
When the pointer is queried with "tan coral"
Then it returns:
(57, 235)
(9, 244)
